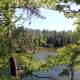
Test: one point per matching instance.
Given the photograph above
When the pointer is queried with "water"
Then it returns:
(42, 54)
(53, 72)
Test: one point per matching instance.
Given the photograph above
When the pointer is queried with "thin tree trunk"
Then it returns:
(72, 74)
(72, 68)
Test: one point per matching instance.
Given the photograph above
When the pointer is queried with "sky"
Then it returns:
(54, 21)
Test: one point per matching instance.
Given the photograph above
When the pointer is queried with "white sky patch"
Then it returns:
(54, 21)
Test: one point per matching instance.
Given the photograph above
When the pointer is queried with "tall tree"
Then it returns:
(7, 13)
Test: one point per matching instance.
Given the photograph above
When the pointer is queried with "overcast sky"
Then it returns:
(54, 21)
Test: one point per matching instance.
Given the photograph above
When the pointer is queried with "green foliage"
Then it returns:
(77, 24)
(69, 55)
(66, 1)
(65, 72)
(10, 38)
(69, 52)
(9, 78)
(29, 63)
(48, 3)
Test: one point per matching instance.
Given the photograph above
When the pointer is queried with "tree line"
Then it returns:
(24, 39)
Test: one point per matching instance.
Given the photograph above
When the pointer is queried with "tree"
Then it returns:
(7, 13)
(71, 54)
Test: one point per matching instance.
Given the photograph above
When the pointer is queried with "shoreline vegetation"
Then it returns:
(24, 60)
(25, 40)
(36, 50)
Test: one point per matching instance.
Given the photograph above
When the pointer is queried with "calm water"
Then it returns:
(42, 54)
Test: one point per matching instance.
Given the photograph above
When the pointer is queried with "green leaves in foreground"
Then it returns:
(66, 54)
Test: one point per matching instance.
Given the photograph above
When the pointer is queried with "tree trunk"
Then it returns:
(13, 66)
(72, 67)
(72, 73)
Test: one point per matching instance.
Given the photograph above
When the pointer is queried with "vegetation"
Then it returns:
(23, 40)
(28, 40)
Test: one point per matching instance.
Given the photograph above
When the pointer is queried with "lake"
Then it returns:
(42, 54)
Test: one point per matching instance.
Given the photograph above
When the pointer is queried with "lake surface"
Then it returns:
(42, 54)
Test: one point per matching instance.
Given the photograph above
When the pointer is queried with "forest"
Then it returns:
(24, 39)
(19, 45)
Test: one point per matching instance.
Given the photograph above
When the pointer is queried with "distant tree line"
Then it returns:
(25, 39)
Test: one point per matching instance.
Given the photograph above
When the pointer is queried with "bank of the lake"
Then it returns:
(41, 55)
(34, 61)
